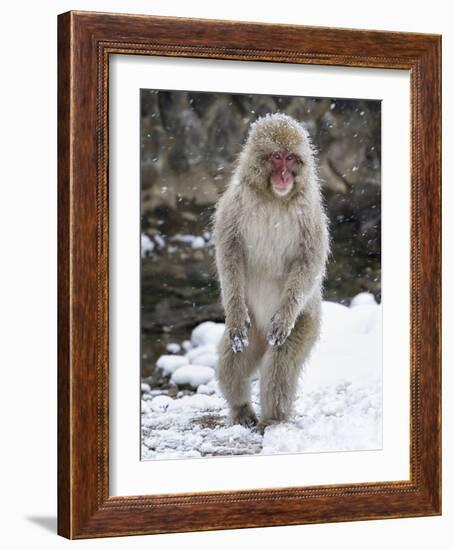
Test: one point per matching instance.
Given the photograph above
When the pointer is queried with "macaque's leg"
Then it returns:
(282, 366)
(234, 374)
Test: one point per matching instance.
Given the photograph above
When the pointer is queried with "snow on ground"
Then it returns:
(338, 407)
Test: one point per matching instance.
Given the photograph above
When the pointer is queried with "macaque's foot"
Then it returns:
(244, 415)
(265, 423)
(279, 330)
(261, 427)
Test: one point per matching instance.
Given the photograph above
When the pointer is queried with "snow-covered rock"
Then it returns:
(160, 241)
(365, 317)
(363, 299)
(207, 360)
(207, 333)
(336, 320)
(208, 349)
(205, 389)
(195, 375)
(147, 245)
(186, 345)
(197, 401)
(198, 242)
(169, 363)
(173, 347)
(194, 241)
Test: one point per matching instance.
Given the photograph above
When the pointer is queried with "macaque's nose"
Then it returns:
(286, 176)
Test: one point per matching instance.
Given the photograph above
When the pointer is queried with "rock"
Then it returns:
(193, 375)
(172, 347)
(198, 242)
(169, 363)
(147, 245)
(205, 390)
(207, 360)
(363, 299)
(187, 345)
(195, 352)
(207, 333)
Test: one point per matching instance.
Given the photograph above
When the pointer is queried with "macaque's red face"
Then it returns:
(284, 165)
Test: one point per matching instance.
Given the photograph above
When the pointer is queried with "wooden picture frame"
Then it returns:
(85, 42)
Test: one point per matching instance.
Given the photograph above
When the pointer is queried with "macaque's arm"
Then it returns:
(230, 267)
(305, 275)
(230, 262)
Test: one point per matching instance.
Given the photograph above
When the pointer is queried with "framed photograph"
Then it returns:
(249, 275)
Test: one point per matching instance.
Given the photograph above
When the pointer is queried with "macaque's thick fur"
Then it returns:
(271, 254)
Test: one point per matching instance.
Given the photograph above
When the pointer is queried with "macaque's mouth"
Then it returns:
(282, 181)
(282, 188)
(283, 184)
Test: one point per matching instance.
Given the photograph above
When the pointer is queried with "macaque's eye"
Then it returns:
(276, 156)
(290, 157)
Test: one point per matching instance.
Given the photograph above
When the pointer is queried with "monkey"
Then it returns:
(271, 248)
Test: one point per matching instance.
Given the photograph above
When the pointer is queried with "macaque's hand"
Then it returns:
(237, 326)
(280, 328)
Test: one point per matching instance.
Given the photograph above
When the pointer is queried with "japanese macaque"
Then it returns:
(272, 243)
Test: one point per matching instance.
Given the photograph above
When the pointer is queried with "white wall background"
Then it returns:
(28, 122)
